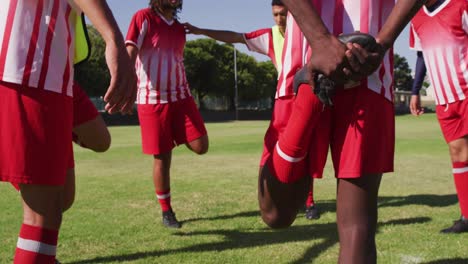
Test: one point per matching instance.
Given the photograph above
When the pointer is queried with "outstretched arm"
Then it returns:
(221, 35)
(121, 93)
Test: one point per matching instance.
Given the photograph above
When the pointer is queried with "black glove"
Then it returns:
(324, 87)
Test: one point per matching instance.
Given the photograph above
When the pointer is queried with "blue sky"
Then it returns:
(235, 15)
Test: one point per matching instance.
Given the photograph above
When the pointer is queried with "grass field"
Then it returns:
(116, 219)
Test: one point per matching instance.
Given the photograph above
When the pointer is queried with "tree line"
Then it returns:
(210, 72)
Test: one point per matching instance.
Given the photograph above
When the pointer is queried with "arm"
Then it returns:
(121, 93)
(331, 58)
(221, 35)
(400, 16)
(415, 103)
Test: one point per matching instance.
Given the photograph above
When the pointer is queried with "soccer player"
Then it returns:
(446, 56)
(270, 42)
(36, 73)
(167, 111)
(360, 128)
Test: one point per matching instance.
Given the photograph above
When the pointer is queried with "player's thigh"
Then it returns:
(37, 125)
(188, 126)
(156, 128)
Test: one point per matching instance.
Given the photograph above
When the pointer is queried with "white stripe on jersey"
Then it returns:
(430, 58)
(453, 74)
(141, 37)
(36, 247)
(463, 52)
(444, 80)
(260, 44)
(25, 60)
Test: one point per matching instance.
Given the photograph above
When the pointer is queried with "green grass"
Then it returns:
(115, 217)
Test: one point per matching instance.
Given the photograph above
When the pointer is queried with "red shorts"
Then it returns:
(35, 135)
(279, 120)
(164, 126)
(83, 109)
(453, 120)
(361, 135)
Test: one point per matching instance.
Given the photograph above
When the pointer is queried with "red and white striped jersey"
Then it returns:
(442, 36)
(36, 44)
(263, 42)
(160, 62)
(339, 16)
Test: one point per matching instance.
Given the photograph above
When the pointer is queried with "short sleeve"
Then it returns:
(137, 30)
(260, 41)
(414, 40)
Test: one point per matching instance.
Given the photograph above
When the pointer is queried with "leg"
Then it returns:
(68, 195)
(199, 145)
(93, 134)
(357, 218)
(42, 216)
(280, 202)
(459, 155)
(162, 185)
(312, 211)
(283, 185)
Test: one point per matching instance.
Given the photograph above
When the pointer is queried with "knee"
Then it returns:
(275, 220)
(458, 152)
(67, 202)
(103, 144)
(200, 150)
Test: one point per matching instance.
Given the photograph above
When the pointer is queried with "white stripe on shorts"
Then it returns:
(36, 246)
(285, 156)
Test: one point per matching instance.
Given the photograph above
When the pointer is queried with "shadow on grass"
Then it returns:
(449, 261)
(325, 206)
(324, 234)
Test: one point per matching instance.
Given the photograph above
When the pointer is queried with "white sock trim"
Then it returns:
(163, 196)
(36, 246)
(460, 170)
(286, 157)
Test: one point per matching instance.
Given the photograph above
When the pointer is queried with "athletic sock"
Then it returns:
(460, 174)
(288, 163)
(310, 197)
(164, 198)
(36, 245)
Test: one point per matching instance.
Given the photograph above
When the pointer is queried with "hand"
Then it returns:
(415, 105)
(190, 29)
(363, 62)
(329, 58)
(121, 94)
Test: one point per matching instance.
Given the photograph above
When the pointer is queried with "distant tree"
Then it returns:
(402, 73)
(93, 74)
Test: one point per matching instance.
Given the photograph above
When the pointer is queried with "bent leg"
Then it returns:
(199, 145)
(93, 134)
(357, 218)
(280, 202)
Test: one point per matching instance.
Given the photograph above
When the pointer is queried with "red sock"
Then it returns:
(287, 162)
(310, 198)
(36, 245)
(164, 198)
(460, 174)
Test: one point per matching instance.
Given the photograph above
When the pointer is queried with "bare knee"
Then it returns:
(277, 221)
(459, 150)
(199, 146)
